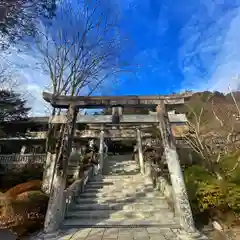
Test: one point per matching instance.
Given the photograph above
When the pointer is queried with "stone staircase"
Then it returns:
(120, 197)
(120, 204)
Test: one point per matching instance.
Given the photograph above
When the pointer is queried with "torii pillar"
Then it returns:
(54, 215)
(140, 151)
(101, 151)
(180, 196)
(116, 114)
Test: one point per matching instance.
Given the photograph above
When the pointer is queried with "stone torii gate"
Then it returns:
(119, 126)
(160, 103)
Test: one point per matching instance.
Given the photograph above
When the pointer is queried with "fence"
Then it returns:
(17, 160)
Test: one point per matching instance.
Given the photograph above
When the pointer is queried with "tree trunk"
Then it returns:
(180, 195)
(56, 206)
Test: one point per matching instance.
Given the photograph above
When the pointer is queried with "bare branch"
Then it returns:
(83, 51)
(218, 119)
(234, 100)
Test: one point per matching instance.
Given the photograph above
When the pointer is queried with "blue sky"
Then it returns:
(179, 45)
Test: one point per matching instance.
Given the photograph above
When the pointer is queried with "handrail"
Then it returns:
(70, 193)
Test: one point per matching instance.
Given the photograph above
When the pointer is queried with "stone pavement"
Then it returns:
(121, 204)
(149, 233)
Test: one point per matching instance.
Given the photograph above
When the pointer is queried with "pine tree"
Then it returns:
(12, 107)
(20, 18)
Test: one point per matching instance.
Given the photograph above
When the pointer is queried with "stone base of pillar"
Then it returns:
(55, 214)
(44, 236)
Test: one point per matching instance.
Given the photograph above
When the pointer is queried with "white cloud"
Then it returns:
(210, 53)
(228, 61)
(30, 78)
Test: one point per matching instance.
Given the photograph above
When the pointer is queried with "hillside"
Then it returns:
(218, 110)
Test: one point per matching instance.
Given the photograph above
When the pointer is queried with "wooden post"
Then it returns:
(180, 195)
(56, 205)
(101, 151)
(140, 151)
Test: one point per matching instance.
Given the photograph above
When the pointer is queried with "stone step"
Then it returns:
(121, 206)
(99, 190)
(120, 185)
(118, 215)
(95, 206)
(77, 223)
(111, 199)
(115, 177)
(91, 184)
(114, 189)
(120, 194)
(121, 180)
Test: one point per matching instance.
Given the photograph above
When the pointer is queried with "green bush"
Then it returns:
(233, 197)
(195, 176)
(13, 177)
(210, 196)
(230, 168)
(206, 193)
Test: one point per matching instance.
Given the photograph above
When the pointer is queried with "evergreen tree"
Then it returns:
(19, 18)
(12, 107)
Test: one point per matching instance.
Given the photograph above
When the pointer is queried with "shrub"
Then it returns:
(194, 176)
(24, 187)
(233, 197)
(209, 194)
(32, 172)
(197, 173)
(230, 168)
(14, 177)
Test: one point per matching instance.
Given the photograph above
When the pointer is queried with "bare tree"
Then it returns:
(80, 52)
(214, 139)
(80, 49)
(84, 50)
